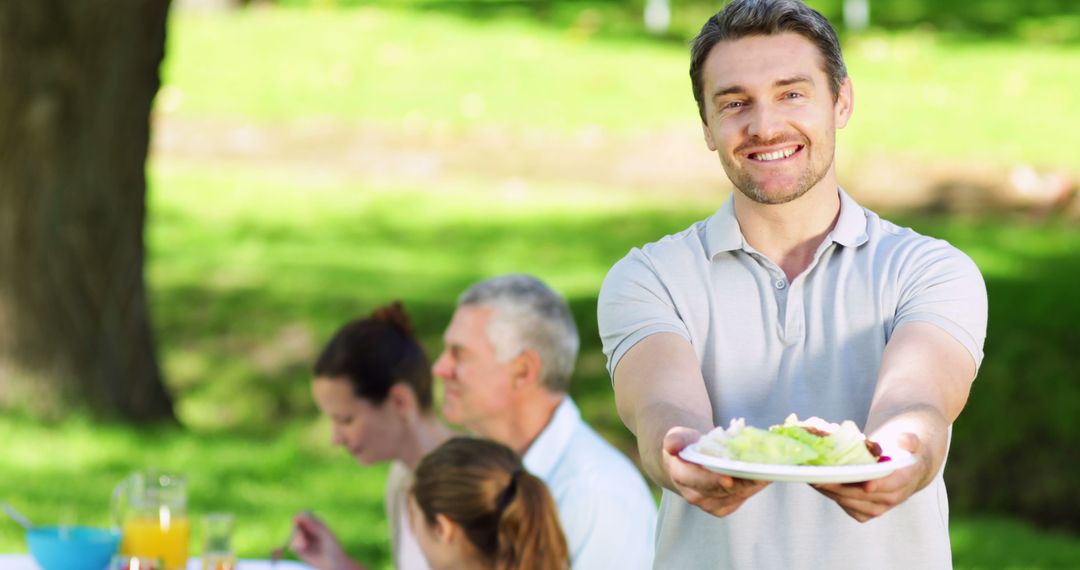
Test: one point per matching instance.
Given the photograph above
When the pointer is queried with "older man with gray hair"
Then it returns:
(508, 358)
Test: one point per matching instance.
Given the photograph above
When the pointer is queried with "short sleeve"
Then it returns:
(634, 303)
(945, 288)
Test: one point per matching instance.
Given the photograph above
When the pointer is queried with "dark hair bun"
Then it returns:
(376, 352)
(394, 314)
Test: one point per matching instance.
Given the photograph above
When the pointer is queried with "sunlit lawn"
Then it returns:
(916, 94)
(66, 476)
(252, 267)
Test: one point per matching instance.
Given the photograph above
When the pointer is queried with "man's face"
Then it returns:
(370, 433)
(478, 387)
(771, 115)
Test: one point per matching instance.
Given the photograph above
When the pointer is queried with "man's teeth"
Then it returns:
(777, 155)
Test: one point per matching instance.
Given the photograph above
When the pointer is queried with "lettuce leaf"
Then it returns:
(755, 445)
(847, 446)
(822, 446)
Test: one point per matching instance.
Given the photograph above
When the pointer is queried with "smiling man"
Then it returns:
(790, 298)
(508, 357)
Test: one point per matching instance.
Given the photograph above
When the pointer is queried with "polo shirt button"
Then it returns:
(780, 284)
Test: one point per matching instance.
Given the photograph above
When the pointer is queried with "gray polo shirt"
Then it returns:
(813, 346)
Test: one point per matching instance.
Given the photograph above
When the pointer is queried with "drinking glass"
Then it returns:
(121, 562)
(217, 530)
(151, 507)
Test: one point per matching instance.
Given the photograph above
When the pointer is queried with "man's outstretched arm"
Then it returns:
(923, 384)
(661, 397)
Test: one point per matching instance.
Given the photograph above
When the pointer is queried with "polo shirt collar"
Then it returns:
(544, 453)
(722, 232)
(850, 228)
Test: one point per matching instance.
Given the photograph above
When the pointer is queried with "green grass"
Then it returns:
(245, 262)
(975, 101)
(262, 481)
(252, 267)
(376, 65)
(996, 543)
(251, 270)
(917, 94)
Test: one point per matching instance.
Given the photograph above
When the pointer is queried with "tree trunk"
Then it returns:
(77, 80)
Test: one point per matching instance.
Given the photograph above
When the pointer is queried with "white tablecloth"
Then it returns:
(25, 562)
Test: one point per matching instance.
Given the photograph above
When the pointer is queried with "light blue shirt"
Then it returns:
(606, 510)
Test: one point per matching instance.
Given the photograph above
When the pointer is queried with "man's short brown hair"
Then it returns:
(742, 18)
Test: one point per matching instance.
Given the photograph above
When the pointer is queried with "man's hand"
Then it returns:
(716, 494)
(315, 544)
(871, 499)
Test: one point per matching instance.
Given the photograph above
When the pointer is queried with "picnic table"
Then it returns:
(26, 562)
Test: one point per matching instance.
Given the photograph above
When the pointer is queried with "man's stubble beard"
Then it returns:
(752, 190)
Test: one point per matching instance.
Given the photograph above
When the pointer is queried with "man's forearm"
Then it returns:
(923, 384)
(653, 422)
(658, 386)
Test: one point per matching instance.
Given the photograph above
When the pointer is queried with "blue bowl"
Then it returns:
(72, 547)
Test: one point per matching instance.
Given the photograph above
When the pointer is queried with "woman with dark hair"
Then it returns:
(474, 506)
(373, 381)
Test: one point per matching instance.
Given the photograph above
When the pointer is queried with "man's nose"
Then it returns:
(765, 123)
(335, 436)
(442, 367)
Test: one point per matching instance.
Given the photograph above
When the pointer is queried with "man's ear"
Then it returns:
(402, 398)
(845, 103)
(526, 369)
(708, 136)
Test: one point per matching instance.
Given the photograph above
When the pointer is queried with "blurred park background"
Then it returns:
(310, 160)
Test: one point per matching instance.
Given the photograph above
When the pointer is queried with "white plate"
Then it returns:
(799, 473)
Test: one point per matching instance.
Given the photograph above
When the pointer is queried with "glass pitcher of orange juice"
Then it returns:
(151, 508)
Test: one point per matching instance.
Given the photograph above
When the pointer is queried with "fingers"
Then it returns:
(307, 519)
(714, 493)
(861, 509)
(746, 488)
(696, 477)
(677, 438)
(299, 543)
(865, 501)
(308, 532)
(875, 491)
(302, 538)
(687, 475)
(310, 524)
(728, 501)
(909, 441)
(844, 489)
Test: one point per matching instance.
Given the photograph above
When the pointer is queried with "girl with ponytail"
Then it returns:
(475, 507)
(373, 381)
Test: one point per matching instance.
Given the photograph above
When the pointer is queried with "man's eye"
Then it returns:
(793, 95)
(734, 105)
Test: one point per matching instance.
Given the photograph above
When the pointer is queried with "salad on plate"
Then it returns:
(796, 451)
(813, 441)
